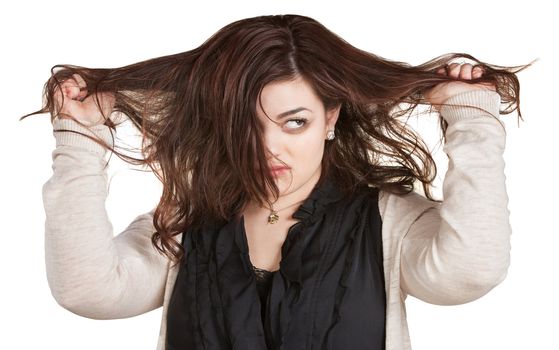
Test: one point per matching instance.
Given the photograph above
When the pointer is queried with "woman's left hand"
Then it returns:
(441, 92)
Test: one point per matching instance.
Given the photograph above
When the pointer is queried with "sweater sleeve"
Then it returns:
(458, 250)
(90, 271)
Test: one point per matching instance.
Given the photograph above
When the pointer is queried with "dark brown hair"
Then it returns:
(196, 111)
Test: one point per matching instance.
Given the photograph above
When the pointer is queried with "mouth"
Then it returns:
(278, 170)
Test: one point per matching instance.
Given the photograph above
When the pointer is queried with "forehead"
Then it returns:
(282, 96)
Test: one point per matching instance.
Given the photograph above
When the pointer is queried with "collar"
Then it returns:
(312, 208)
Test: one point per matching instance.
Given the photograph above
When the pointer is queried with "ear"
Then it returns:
(332, 117)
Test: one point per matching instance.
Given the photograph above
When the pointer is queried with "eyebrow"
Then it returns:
(293, 111)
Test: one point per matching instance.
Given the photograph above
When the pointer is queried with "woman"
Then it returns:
(288, 217)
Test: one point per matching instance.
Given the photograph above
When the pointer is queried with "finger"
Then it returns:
(477, 72)
(454, 70)
(466, 71)
(62, 104)
(78, 78)
(64, 92)
(82, 86)
(81, 96)
(74, 87)
(70, 89)
(65, 95)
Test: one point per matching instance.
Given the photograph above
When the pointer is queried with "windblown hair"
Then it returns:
(196, 112)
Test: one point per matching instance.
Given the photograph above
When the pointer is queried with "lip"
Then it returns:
(279, 168)
(276, 170)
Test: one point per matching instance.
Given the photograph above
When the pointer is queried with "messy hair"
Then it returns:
(196, 112)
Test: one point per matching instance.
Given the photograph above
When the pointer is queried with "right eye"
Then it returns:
(295, 124)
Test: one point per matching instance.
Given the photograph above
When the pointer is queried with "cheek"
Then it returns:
(309, 149)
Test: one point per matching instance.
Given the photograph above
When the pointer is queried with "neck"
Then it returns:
(286, 204)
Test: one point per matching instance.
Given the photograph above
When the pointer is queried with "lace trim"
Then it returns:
(261, 274)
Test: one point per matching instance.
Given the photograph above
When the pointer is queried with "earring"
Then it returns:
(330, 135)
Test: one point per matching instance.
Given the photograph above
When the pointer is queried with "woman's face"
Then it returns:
(296, 134)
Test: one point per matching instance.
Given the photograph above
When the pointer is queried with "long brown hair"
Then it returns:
(196, 111)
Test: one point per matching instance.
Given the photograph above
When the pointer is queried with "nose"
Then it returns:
(272, 142)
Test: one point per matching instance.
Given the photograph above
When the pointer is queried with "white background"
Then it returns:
(520, 313)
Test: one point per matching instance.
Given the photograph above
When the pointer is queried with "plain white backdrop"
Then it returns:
(520, 313)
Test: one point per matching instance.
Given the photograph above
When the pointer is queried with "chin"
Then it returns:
(284, 186)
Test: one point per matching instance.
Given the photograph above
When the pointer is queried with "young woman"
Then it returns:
(288, 217)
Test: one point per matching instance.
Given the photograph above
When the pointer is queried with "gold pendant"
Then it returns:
(273, 217)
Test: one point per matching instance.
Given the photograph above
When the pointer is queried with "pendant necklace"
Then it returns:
(274, 217)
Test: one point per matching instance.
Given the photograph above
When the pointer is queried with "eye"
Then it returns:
(294, 124)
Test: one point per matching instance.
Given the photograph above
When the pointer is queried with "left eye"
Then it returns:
(295, 123)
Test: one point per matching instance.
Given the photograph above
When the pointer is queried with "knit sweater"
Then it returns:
(445, 253)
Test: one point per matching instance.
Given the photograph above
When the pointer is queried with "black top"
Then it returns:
(328, 293)
(263, 284)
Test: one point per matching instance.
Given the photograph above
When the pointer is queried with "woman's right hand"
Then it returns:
(80, 107)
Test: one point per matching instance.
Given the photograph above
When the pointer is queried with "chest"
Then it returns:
(265, 240)
(329, 293)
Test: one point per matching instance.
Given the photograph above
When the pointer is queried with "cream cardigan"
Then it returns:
(446, 254)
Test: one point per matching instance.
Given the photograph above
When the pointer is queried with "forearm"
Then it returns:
(91, 272)
(461, 251)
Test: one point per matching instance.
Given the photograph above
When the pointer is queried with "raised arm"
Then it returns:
(459, 250)
(90, 271)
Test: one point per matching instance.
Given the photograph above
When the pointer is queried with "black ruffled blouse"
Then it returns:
(328, 293)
